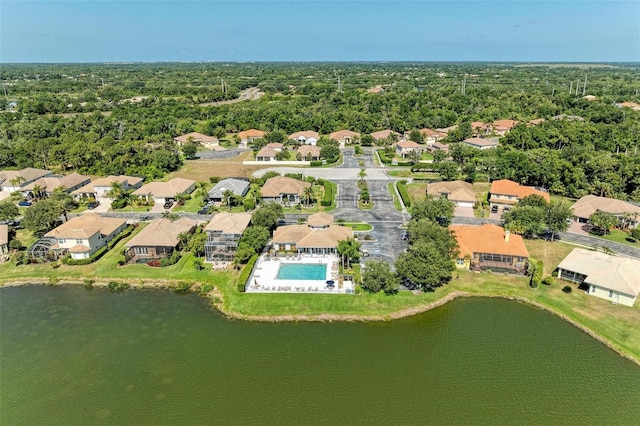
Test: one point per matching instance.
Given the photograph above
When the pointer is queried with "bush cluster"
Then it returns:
(329, 192)
(246, 272)
(404, 194)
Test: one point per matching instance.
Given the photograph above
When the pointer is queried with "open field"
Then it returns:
(550, 253)
(202, 170)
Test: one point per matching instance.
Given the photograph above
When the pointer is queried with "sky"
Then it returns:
(329, 30)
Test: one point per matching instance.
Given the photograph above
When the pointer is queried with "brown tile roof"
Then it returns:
(79, 248)
(283, 185)
(306, 133)
(589, 204)
(229, 223)
(504, 124)
(274, 145)
(252, 133)
(27, 174)
(446, 130)
(384, 134)
(634, 106)
(457, 190)
(106, 182)
(480, 142)
(162, 233)
(165, 189)
(319, 220)
(439, 146)
(196, 137)
(408, 144)
(341, 134)
(4, 234)
(487, 238)
(509, 187)
(86, 225)
(537, 121)
(429, 132)
(308, 149)
(305, 237)
(266, 152)
(48, 184)
(480, 125)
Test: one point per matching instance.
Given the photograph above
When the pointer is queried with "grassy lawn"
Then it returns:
(617, 236)
(192, 205)
(80, 209)
(358, 226)
(426, 156)
(26, 237)
(135, 209)
(202, 170)
(391, 187)
(318, 194)
(417, 191)
(550, 253)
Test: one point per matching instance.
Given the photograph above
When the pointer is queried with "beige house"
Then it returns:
(502, 127)
(458, 191)
(83, 235)
(446, 130)
(318, 235)
(481, 128)
(223, 234)
(437, 146)
(161, 192)
(387, 135)
(506, 193)
(248, 136)
(47, 185)
(158, 239)
(4, 239)
(609, 277)
(490, 247)
(627, 213)
(345, 137)
(404, 148)
(266, 154)
(307, 137)
(430, 136)
(308, 153)
(99, 188)
(210, 142)
(282, 189)
(15, 180)
(480, 143)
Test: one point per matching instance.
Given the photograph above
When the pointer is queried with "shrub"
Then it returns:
(329, 192)
(383, 157)
(154, 263)
(215, 179)
(548, 281)
(246, 272)
(182, 287)
(119, 203)
(404, 194)
(248, 204)
(53, 280)
(116, 286)
(566, 289)
(88, 283)
(404, 163)
(315, 163)
(206, 288)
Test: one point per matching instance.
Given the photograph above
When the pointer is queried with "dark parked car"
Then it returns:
(405, 235)
(168, 204)
(93, 204)
(494, 209)
(204, 210)
(24, 203)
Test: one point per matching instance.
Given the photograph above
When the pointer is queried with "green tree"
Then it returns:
(349, 251)
(243, 254)
(307, 195)
(378, 276)
(435, 209)
(448, 170)
(190, 149)
(426, 230)
(603, 222)
(416, 136)
(558, 215)
(424, 265)
(8, 211)
(42, 217)
(196, 244)
(63, 201)
(268, 216)
(527, 221)
(329, 152)
(533, 200)
(255, 237)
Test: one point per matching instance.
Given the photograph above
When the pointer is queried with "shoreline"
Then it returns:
(215, 298)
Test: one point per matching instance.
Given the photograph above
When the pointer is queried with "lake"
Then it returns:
(74, 356)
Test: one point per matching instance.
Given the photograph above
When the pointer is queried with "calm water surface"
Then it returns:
(77, 357)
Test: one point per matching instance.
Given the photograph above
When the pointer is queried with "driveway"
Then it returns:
(463, 212)
(578, 228)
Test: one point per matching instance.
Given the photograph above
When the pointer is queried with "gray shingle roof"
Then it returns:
(237, 186)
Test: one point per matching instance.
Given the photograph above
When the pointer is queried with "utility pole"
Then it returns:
(584, 86)
(571, 87)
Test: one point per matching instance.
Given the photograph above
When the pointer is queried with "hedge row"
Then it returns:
(404, 194)
(246, 272)
(383, 157)
(330, 189)
(535, 268)
(315, 163)
(98, 254)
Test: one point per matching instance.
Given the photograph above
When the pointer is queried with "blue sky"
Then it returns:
(305, 30)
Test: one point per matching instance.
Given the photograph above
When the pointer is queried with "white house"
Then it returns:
(626, 212)
(307, 137)
(248, 136)
(99, 188)
(609, 277)
(83, 235)
(480, 143)
(48, 184)
(161, 192)
(15, 180)
(345, 137)
(404, 148)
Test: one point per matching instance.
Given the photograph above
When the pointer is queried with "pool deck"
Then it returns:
(264, 278)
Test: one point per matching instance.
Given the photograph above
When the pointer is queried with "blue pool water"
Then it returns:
(302, 271)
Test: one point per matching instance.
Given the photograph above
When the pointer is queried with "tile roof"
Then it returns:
(283, 185)
(196, 137)
(162, 233)
(274, 145)
(252, 133)
(106, 182)
(266, 152)
(457, 190)
(4, 234)
(79, 248)
(304, 236)
(27, 174)
(165, 189)
(48, 184)
(480, 125)
(440, 146)
(429, 132)
(504, 124)
(86, 225)
(229, 223)
(408, 144)
(589, 204)
(446, 130)
(237, 186)
(307, 134)
(384, 134)
(634, 106)
(342, 134)
(612, 272)
(480, 142)
(509, 187)
(488, 238)
(308, 149)
(319, 220)
(537, 121)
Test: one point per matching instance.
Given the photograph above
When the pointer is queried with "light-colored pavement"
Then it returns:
(335, 173)
(464, 211)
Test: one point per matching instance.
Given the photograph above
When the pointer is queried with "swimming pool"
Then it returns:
(302, 271)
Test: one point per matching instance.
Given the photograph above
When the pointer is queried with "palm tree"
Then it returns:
(38, 191)
(307, 195)
(227, 197)
(117, 190)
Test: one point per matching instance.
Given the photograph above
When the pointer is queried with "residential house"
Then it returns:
(590, 98)
(387, 135)
(504, 193)
(161, 192)
(609, 277)
(404, 148)
(437, 146)
(307, 137)
(318, 235)
(490, 247)
(345, 137)
(634, 106)
(238, 187)
(210, 142)
(248, 136)
(15, 180)
(627, 213)
(276, 146)
(480, 143)
(460, 192)
(481, 128)
(282, 189)
(308, 153)
(536, 121)
(158, 239)
(502, 127)
(431, 136)
(567, 117)
(47, 185)
(99, 188)
(446, 130)
(83, 235)
(223, 234)
(4, 239)
(376, 89)
(266, 154)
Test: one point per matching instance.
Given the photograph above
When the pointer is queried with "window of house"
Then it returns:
(79, 241)
(610, 293)
(460, 262)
